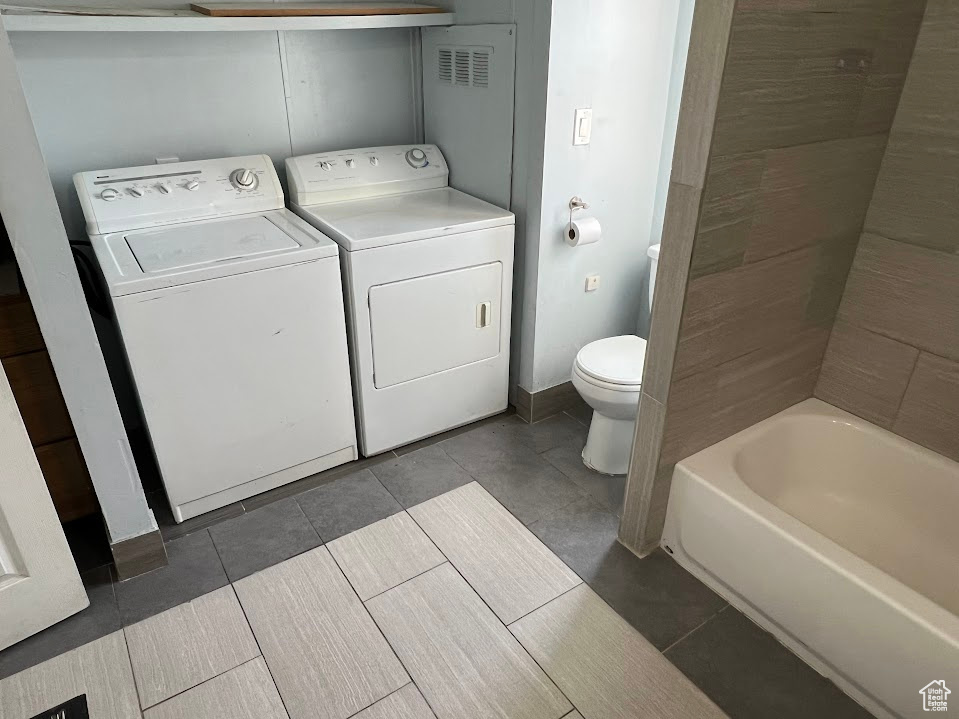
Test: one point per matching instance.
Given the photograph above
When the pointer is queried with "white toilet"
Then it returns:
(608, 373)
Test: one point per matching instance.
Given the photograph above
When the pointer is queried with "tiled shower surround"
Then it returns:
(894, 353)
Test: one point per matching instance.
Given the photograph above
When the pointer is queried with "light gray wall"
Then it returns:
(115, 100)
(101, 101)
(617, 57)
(626, 60)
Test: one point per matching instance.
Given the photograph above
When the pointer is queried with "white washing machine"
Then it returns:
(230, 309)
(427, 273)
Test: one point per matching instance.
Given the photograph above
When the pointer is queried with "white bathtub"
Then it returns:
(840, 538)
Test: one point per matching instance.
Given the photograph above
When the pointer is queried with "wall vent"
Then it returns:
(481, 68)
(463, 66)
(445, 65)
(462, 74)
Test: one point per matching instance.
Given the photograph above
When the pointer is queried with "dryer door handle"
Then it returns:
(483, 311)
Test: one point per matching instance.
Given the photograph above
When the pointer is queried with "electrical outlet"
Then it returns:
(592, 283)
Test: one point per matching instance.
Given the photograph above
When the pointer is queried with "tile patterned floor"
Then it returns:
(501, 592)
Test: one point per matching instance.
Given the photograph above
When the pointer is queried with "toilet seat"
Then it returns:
(615, 363)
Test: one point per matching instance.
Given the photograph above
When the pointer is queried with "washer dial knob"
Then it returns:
(136, 192)
(192, 185)
(164, 188)
(417, 158)
(244, 179)
(109, 194)
(326, 166)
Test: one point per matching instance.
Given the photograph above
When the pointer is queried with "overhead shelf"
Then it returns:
(188, 21)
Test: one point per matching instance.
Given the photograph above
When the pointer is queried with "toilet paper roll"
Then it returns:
(584, 231)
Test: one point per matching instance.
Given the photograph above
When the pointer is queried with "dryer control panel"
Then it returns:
(364, 173)
(133, 198)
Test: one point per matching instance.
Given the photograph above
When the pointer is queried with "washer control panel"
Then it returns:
(364, 173)
(150, 195)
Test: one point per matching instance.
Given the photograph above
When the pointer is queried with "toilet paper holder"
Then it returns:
(576, 203)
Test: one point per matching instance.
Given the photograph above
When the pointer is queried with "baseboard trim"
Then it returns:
(532, 407)
(139, 555)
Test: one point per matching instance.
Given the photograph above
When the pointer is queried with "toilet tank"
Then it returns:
(653, 253)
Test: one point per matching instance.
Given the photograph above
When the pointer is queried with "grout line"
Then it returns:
(387, 490)
(405, 668)
(502, 623)
(383, 634)
(410, 579)
(578, 584)
(496, 616)
(407, 581)
(575, 419)
(181, 693)
(372, 618)
(902, 398)
(315, 531)
(455, 569)
(360, 711)
(260, 649)
(694, 629)
(216, 549)
(380, 629)
(133, 674)
(323, 541)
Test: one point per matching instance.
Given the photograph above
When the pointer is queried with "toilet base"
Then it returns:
(609, 444)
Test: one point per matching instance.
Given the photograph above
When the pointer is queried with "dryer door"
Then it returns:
(425, 325)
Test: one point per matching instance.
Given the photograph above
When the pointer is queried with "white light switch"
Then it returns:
(583, 126)
(592, 283)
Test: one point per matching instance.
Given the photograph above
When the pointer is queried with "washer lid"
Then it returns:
(618, 360)
(362, 224)
(190, 245)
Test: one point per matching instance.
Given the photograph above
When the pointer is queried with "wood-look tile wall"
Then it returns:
(807, 96)
(893, 357)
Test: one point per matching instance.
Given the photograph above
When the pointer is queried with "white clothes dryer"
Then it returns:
(230, 312)
(427, 273)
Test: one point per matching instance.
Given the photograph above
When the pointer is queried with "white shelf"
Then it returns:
(186, 21)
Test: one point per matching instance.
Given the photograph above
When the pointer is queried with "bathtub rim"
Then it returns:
(936, 622)
(714, 467)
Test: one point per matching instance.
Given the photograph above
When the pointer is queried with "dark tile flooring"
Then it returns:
(535, 471)
(264, 537)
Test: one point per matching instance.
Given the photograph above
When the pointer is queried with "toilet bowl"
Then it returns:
(608, 374)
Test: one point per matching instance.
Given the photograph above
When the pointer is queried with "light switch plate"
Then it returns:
(583, 126)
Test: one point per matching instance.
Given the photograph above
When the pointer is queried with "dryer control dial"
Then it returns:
(244, 179)
(109, 194)
(417, 158)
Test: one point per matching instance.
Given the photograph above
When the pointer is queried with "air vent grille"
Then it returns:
(480, 68)
(463, 66)
(445, 64)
